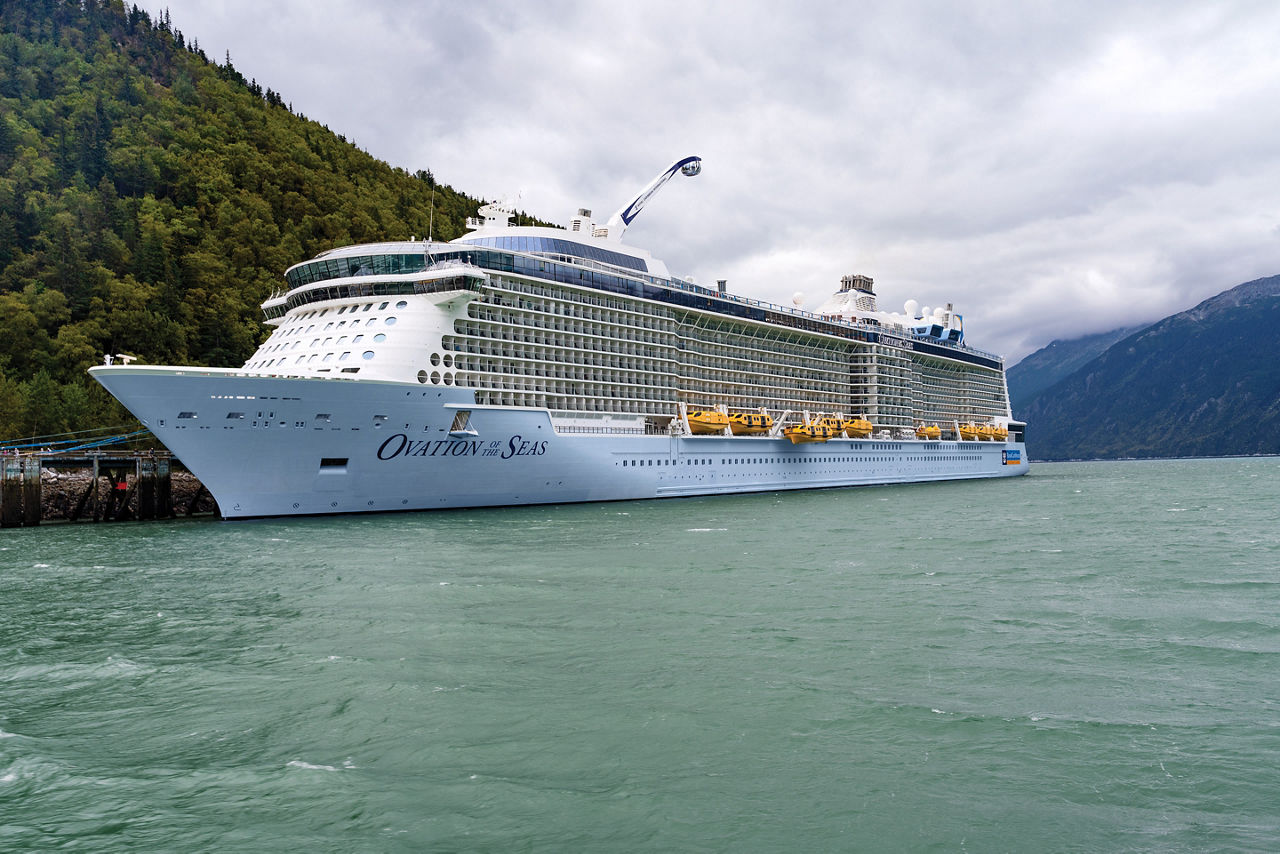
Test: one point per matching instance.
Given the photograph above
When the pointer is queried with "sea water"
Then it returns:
(1084, 659)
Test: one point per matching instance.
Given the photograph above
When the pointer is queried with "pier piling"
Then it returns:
(118, 487)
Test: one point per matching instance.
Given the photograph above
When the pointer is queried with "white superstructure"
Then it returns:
(531, 365)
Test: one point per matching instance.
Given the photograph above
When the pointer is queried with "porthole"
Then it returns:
(380, 338)
(422, 377)
(448, 360)
(402, 304)
(435, 378)
(390, 321)
(448, 379)
(367, 355)
(435, 359)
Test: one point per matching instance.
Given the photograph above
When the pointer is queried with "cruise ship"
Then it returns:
(530, 365)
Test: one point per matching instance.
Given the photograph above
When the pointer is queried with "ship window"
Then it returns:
(357, 339)
(461, 420)
(327, 357)
(422, 376)
(344, 356)
(186, 415)
(366, 355)
(390, 321)
(323, 416)
(236, 415)
(367, 306)
(380, 337)
(402, 304)
(381, 306)
(333, 462)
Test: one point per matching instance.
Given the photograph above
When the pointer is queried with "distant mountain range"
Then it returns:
(1203, 382)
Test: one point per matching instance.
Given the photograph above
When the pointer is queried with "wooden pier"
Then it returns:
(96, 486)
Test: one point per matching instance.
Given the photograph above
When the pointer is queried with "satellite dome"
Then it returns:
(797, 299)
(911, 308)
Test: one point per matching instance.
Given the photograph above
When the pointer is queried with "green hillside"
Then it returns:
(150, 199)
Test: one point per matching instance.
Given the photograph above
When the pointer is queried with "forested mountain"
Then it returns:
(1202, 382)
(150, 199)
(1055, 361)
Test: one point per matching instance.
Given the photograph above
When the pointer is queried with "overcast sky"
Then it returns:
(1051, 168)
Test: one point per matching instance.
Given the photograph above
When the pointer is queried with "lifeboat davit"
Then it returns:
(932, 431)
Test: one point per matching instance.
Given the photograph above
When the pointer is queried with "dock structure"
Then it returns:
(104, 487)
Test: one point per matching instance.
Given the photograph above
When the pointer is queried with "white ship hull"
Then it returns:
(283, 446)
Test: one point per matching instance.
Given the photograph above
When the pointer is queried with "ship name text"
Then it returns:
(400, 445)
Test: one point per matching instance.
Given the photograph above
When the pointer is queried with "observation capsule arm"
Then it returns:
(689, 166)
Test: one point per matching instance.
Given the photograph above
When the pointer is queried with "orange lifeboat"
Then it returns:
(810, 431)
(750, 423)
(857, 428)
(707, 421)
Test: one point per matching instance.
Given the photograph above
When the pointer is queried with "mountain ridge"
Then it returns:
(1200, 382)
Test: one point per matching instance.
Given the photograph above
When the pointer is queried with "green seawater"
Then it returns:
(1083, 659)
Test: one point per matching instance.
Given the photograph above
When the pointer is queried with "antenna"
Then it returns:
(431, 219)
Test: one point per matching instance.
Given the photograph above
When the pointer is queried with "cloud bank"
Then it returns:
(1051, 169)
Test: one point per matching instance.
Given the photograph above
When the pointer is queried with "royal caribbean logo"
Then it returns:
(1011, 458)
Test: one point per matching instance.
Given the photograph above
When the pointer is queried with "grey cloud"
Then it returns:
(1052, 169)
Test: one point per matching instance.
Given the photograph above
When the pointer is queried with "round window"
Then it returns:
(435, 378)
(448, 379)
(379, 337)
(448, 360)
(366, 355)
(435, 358)
(422, 377)
(402, 304)
(390, 321)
